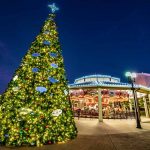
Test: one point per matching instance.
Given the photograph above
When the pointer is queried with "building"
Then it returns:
(143, 79)
(104, 96)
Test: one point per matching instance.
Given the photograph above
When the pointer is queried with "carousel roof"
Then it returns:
(99, 83)
(97, 76)
(109, 85)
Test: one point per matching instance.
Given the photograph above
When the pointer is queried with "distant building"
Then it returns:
(143, 79)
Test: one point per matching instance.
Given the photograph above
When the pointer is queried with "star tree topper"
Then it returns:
(53, 7)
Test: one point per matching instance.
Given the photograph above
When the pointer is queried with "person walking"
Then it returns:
(78, 113)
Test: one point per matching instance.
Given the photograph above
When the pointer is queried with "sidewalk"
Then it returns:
(109, 135)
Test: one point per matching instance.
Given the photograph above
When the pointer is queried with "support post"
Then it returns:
(100, 111)
(146, 107)
(113, 105)
(130, 105)
(136, 107)
(149, 98)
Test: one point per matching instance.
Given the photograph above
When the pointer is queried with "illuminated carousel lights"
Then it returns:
(104, 76)
(102, 84)
(95, 76)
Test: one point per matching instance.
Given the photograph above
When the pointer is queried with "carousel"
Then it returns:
(103, 96)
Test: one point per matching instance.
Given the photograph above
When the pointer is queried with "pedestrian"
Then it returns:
(78, 113)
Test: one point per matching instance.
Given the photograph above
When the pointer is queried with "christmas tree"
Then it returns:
(35, 109)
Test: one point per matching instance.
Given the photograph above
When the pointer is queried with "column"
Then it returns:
(130, 105)
(100, 116)
(113, 105)
(149, 97)
(148, 104)
(146, 107)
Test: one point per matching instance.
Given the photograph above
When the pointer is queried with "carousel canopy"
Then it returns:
(104, 81)
(97, 77)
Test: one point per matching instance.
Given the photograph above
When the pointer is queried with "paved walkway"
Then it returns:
(109, 135)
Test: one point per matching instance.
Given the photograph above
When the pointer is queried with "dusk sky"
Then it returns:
(97, 36)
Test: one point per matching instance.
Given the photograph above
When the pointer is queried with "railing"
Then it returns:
(111, 115)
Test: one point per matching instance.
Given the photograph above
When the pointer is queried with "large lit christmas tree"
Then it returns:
(35, 109)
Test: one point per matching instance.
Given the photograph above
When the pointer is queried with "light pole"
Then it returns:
(131, 78)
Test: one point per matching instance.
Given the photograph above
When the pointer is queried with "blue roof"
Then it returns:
(100, 83)
(107, 84)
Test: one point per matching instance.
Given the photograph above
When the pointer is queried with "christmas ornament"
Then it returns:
(46, 43)
(46, 32)
(24, 111)
(15, 89)
(57, 112)
(53, 55)
(35, 54)
(6, 135)
(52, 80)
(54, 65)
(41, 89)
(35, 70)
(66, 92)
(15, 78)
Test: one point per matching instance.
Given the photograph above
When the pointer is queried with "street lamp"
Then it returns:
(131, 78)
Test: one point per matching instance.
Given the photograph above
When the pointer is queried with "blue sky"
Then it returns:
(97, 36)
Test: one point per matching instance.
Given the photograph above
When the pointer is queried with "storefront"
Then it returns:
(103, 96)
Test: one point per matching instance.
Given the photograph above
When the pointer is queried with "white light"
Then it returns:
(15, 89)
(134, 75)
(24, 111)
(128, 74)
(15, 78)
(57, 112)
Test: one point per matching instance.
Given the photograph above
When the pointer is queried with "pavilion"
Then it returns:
(98, 91)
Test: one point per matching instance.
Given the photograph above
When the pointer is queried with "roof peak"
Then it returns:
(97, 75)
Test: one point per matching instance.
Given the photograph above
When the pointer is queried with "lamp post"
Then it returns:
(131, 78)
